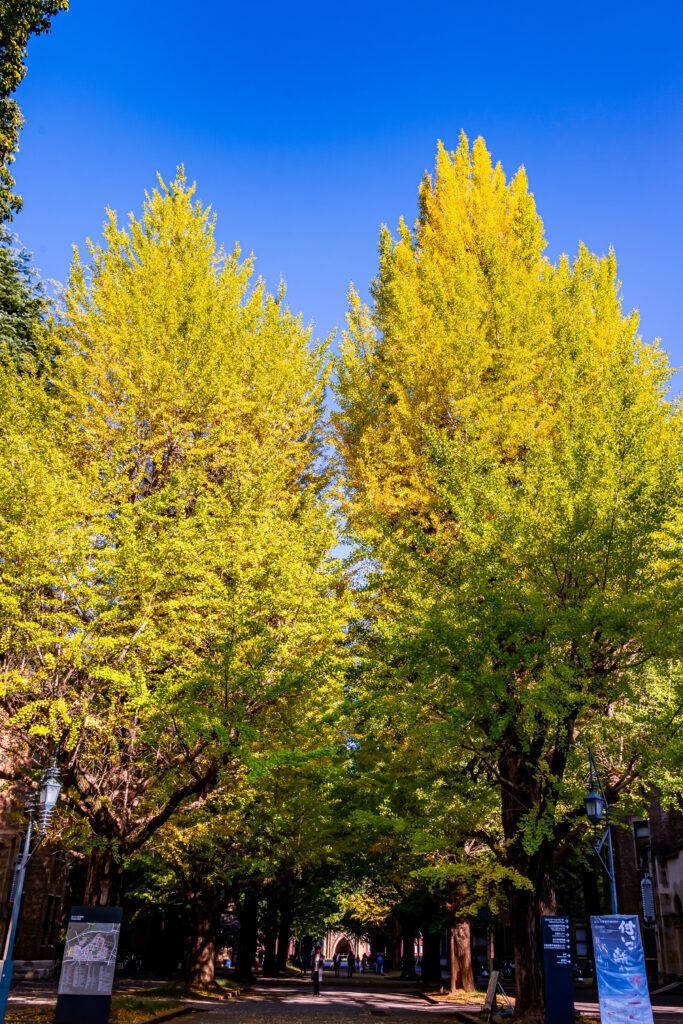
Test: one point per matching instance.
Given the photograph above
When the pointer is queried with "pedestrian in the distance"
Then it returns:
(318, 965)
(304, 963)
(380, 963)
(336, 963)
(364, 963)
(351, 962)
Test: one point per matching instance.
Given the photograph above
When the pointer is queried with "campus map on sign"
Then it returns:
(89, 958)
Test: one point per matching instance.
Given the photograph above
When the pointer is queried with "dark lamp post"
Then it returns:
(38, 819)
(597, 812)
(595, 806)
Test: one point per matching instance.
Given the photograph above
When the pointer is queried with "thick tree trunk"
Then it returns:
(431, 959)
(284, 932)
(453, 965)
(408, 928)
(202, 951)
(526, 909)
(463, 946)
(525, 792)
(396, 953)
(270, 929)
(103, 883)
(247, 912)
(459, 945)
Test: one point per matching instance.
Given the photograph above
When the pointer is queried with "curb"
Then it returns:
(171, 1015)
(185, 1010)
(428, 999)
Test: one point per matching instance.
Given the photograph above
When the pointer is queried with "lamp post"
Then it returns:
(597, 812)
(38, 819)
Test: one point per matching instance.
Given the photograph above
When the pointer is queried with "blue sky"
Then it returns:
(308, 125)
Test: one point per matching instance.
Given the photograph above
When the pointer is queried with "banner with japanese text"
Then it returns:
(620, 970)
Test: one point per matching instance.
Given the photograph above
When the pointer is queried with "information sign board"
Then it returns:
(88, 965)
(620, 969)
(557, 963)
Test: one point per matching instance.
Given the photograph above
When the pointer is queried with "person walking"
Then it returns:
(336, 963)
(317, 972)
(364, 963)
(351, 962)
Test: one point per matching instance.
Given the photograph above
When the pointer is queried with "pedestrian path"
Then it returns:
(342, 1000)
(347, 1001)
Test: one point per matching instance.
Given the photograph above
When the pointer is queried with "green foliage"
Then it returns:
(19, 20)
(167, 598)
(23, 306)
(513, 478)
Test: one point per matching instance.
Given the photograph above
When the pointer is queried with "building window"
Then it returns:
(641, 831)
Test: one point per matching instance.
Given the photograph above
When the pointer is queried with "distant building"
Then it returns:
(649, 873)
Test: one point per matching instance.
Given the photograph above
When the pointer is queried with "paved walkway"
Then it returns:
(342, 1000)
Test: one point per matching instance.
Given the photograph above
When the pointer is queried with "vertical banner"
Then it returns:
(557, 964)
(620, 970)
(87, 975)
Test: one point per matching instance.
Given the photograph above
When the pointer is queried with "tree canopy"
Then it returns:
(19, 20)
(513, 472)
(167, 590)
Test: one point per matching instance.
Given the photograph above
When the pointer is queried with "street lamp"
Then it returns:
(597, 812)
(48, 794)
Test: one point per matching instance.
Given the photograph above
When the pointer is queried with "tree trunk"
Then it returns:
(524, 792)
(202, 951)
(247, 913)
(284, 932)
(463, 947)
(270, 929)
(396, 953)
(453, 965)
(525, 922)
(459, 945)
(408, 928)
(431, 959)
(103, 883)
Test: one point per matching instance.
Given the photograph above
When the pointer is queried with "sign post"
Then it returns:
(557, 964)
(87, 977)
(620, 968)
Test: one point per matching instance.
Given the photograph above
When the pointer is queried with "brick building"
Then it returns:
(649, 852)
(40, 919)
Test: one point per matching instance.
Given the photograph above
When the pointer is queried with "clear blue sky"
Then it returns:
(308, 125)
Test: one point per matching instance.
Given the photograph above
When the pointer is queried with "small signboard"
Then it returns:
(557, 963)
(490, 1000)
(620, 969)
(88, 965)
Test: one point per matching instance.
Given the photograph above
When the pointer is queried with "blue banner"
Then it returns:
(620, 970)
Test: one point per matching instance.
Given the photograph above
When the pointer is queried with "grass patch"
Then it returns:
(181, 989)
(131, 1009)
(125, 1010)
(470, 998)
(36, 1015)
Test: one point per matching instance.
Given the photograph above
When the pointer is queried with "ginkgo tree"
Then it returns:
(512, 466)
(166, 594)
